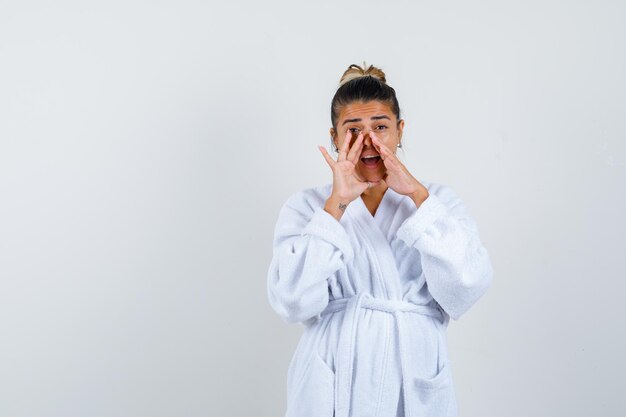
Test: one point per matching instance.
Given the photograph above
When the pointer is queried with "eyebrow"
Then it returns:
(371, 118)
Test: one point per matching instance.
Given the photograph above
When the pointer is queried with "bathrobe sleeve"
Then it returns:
(455, 263)
(309, 246)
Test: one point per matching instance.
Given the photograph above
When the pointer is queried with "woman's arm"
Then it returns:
(309, 246)
(456, 265)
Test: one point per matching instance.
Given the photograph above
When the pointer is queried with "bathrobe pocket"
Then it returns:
(313, 394)
(431, 396)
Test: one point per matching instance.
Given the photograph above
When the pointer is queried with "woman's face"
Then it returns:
(365, 117)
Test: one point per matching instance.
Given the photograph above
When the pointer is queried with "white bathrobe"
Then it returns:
(376, 294)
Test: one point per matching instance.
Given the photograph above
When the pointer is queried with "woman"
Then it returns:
(374, 265)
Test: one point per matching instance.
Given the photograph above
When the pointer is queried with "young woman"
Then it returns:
(374, 265)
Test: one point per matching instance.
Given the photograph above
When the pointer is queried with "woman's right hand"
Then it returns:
(347, 184)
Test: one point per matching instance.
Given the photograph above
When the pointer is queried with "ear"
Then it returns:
(333, 135)
(400, 129)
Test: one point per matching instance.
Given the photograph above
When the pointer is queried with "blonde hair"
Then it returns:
(354, 71)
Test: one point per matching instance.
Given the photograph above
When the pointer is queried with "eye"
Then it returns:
(382, 127)
(354, 129)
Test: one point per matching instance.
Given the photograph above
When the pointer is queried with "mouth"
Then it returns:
(371, 161)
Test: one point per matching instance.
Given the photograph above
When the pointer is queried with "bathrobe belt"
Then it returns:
(345, 353)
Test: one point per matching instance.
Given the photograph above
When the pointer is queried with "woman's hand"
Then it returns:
(347, 184)
(398, 177)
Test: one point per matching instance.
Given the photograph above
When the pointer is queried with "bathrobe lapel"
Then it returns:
(370, 229)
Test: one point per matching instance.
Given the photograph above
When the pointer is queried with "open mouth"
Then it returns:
(371, 161)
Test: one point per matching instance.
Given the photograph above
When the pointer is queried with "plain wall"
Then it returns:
(146, 147)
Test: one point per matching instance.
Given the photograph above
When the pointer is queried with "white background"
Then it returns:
(146, 147)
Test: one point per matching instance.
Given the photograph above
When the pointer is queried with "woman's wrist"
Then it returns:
(336, 206)
(419, 196)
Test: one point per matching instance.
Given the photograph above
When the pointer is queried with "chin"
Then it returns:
(374, 177)
(371, 175)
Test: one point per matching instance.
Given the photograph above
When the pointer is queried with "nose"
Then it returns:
(367, 139)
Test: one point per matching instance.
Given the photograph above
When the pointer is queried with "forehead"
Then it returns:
(364, 110)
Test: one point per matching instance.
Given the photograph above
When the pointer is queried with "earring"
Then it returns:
(399, 145)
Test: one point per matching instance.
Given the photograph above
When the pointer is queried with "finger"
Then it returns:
(365, 186)
(355, 151)
(327, 157)
(344, 146)
(369, 184)
(384, 150)
(379, 144)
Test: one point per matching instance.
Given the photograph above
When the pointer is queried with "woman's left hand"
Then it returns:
(398, 176)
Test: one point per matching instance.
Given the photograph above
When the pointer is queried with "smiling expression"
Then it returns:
(365, 117)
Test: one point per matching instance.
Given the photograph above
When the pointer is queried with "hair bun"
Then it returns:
(354, 71)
